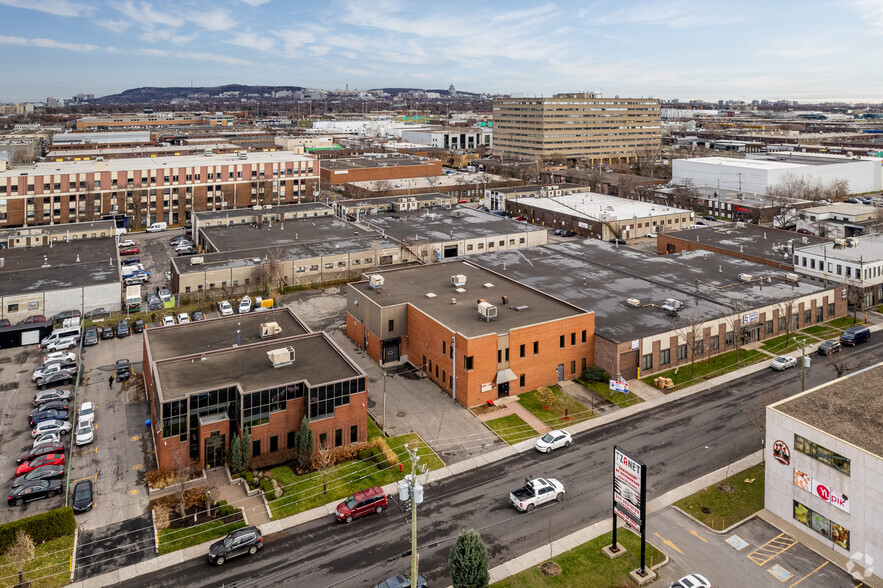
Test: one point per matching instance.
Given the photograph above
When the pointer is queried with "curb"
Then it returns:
(74, 554)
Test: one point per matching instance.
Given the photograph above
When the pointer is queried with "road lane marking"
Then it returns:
(669, 543)
(775, 546)
(809, 574)
(92, 477)
(694, 533)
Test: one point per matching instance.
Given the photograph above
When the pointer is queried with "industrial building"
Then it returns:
(454, 138)
(377, 167)
(463, 186)
(823, 462)
(210, 380)
(495, 198)
(578, 126)
(474, 332)
(841, 220)
(857, 262)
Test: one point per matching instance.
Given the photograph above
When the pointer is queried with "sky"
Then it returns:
(699, 49)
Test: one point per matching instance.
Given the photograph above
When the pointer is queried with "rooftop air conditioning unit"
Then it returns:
(271, 330)
(792, 277)
(487, 311)
(746, 278)
(458, 280)
(852, 241)
(281, 357)
(633, 302)
(375, 281)
(839, 242)
(197, 260)
(672, 305)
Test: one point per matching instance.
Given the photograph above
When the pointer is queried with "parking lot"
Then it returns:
(121, 453)
(155, 252)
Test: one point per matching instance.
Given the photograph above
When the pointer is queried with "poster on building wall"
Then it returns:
(840, 500)
(487, 387)
(802, 480)
(840, 536)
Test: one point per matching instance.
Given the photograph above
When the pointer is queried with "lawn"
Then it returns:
(844, 322)
(512, 429)
(306, 491)
(554, 414)
(174, 539)
(373, 429)
(719, 509)
(51, 566)
(705, 369)
(587, 566)
(822, 331)
(778, 345)
(618, 398)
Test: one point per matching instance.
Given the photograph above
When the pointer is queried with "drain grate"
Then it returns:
(371, 404)
(401, 413)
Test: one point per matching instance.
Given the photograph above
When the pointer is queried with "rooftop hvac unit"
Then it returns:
(197, 260)
(430, 294)
(672, 305)
(792, 277)
(281, 357)
(839, 242)
(746, 278)
(852, 241)
(270, 330)
(487, 311)
(458, 280)
(633, 302)
(375, 281)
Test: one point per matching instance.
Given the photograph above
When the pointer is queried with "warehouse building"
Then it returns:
(857, 262)
(375, 167)
(496, 198)
(353, 209)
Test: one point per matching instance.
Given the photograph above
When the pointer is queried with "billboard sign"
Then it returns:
(618, 386)
(629, 478)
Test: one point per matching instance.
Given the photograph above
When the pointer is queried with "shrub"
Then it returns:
(249, 479)
(389, 456)
(41, 528)
(159, 478)
(366, 454)
(227, 510)
(595, 374)
(468, 561)
(161, 517)
(267, 489)
(546, 396)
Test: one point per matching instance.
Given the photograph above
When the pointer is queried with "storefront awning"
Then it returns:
(505, 376)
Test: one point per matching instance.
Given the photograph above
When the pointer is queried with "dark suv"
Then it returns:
(362, 503)
(122, 329)
(241, 541)
(123, 370)
(829, 347)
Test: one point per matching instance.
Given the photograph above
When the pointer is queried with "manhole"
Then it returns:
(371, 404)
(401, 413)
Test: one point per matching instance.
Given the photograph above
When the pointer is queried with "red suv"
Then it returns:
(362, 503)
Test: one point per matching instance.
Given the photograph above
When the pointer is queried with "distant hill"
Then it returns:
(152, 94)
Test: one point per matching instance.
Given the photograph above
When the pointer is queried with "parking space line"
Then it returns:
(775, 546)
(92, 477)
(809, 574)
(82, 453)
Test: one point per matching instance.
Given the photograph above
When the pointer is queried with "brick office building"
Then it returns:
(475, 333)
(152, 189)
(387, 166)
(205, 383)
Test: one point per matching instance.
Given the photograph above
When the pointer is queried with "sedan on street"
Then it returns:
(38, 416)
(107, 332)
(63, 356)
(829, 347)
(50, 395)
(692, 581)
(553, 440)
(85, 432)
(37, 451)
(83, 499)
(130, 251)
(34, 491)
(783, 362)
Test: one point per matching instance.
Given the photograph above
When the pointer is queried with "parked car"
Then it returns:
(61, 344)
(783, 362)
(82, 498)
(130, 251)
(535, 493)
(175, 240)
(122, 369)
(38, 416)
(183, 318)
(198, 316)
(51, 405)
(85, 432)
(168, 321)
(122, 329)
(829, 347)
(126, 243)
(90, 336)
(239, 542)
(87, 411)
(34, 491)
(131, 261)
(855, 335)
(245, 305)
(67, 314)
(401, 581)
(187, 252)
(63, 356)
(136, 280)
(52, 368)
(47, 472)
(5, 323)
(43, 460)
(154, 303)
(805, 232)
(692, 581)
(47, 439)
(49, 395)
(700, 223)
(107, 332)
(617, 241)
(39, 450)
(61, 427)
(98, 313)
(708, 217)
(184, 244)
(138, 326)
(165, 294)
(224, 308)
(553, 440)
(362, 503)
(36, 318)
(652, 235)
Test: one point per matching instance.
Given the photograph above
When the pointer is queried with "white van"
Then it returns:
(59, 334)
(157, 227)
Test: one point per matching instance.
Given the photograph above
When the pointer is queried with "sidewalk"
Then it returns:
(518, 410)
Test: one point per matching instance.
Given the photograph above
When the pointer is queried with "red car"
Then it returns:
(362, 503)
(130, 251)
(51, 459)
(38, 451)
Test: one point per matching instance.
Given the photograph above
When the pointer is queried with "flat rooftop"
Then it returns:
(321, 229)
(439, 225)
(843, 208)
(317, 361)
(411, 285)
(791, 157)
(846, 408)
(600, 277)
(62, 229)
(72, 264)
(372, 162)
(594, 206)
(446, 180)
(758, 164)
(537, 188)
(870, 249)
(135, 150)
(388, 200)
(236, 213)
(757, 241)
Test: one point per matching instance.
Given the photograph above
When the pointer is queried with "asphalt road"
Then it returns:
(679, 441)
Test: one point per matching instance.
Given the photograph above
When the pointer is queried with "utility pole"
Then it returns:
(383, 418)
(412, 491)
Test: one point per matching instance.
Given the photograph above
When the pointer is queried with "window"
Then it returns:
(573, 338)
(256, 448)
(665, 357)
(499, 355)
(826, 456)
(444, 347)
(584, 335)
(290, 441)
(831, 309)
(647, 361)
(682, 351)
(730, 338)
(715, 343)
(323, 440)
(699, 347)
(820, 314)
(521, 350)
(783, 323)
(807, 316)
(521, 380)
(274, 443)
(338, 437)
(573, 367)
(536, 347)
(12, 308)
(392, 325)
(354, 434)
(469, 362)
(33, 305)
(561, 340)
(768, 327)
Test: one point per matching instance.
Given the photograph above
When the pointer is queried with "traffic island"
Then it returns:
(641, 580)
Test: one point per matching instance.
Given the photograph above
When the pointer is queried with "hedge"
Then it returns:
(267, 488)
(41, 528)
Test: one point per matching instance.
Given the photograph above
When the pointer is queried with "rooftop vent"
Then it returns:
(746, 278)
(672, 305)
(281, 357)
(375, 281)
(487, 311)
(792, 277)
(488, 285)
(633, 302)
(430, 295)
(459, 290)
(839, 243)
(270, 330)
(520, 308)
(458, 280)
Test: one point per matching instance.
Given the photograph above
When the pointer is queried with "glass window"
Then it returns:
(647, 361)
(682, 351)
(826, 456)
(715, 342)
(665, 357)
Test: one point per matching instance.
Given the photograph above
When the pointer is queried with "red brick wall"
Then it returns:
(394, 172)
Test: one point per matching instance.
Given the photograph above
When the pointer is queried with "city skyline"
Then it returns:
(807, 52)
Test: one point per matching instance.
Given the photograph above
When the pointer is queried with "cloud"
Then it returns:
(871, 11)
(255, 2)
(229, 60)
(114, 25)
(256, 41)
(47, 44)
(56, 7)
(673, 14)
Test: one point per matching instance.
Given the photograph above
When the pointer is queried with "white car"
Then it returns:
(87, 412)
(51, 426)
(168, 321)
(225, 308)
(61, 356)
(183, 318)
(783, 362)
(652, 235)
(85, 432)
(126, 243)
(245, 305)
(692, 581)
(47, 439)
(61, 344)
(553, 440)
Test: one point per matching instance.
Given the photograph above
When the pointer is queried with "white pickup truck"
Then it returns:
(536, 492)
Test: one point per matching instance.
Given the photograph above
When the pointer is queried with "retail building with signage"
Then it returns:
(824, 469)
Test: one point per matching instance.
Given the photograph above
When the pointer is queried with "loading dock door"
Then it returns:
(628, 365)
(450, 251)
(391, 349)
(30, 337)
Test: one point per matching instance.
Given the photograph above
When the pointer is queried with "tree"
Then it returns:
(468, 561)
(787, 311)
(382, 188)
(855, 298)
(246, 449)
(182, 475)
(546, 396)
(735, 324)
(270, 273)
(236, 463)
(691, 328)
(304, 444)
(686, 195)
(21, 551)
(324, 461)
(645, 159)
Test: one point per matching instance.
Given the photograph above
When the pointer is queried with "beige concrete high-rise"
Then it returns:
(577, 125)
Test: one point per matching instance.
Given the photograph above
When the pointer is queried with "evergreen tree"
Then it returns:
(468, 561)
(304, 444)
(236, 455)
(246, 449)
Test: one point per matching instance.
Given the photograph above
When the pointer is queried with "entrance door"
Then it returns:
(214, 450)
(391, 350)
(560, 372)
(503, 390)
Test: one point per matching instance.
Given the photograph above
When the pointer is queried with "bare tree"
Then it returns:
(855, 297)
(645, 159)
(735, 324)
(87, 201)
(137, 196)
(838, 189)
(690, 328)
(382, 188)
(324, 460)
(183, 468)
(432, 182)
(21, 551)
(626, 184)
(686, 195)
(787, 311)
(270, 273)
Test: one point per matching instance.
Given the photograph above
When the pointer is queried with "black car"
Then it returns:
(65, 315)
(154, 302)
(90, 336)
(400, 581)
(618, 241)
(98, 313)
(47, 472)
(138, 326)
(123, 370)
(198, 316)
(34, 491)
(38, 416)
(107, 332)
(51, 405)
(244, 540)
(829, 347)
(83, 499)
(58, 378)
(709, 218)
(131, 261)
(122, 329)
(38, 451)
